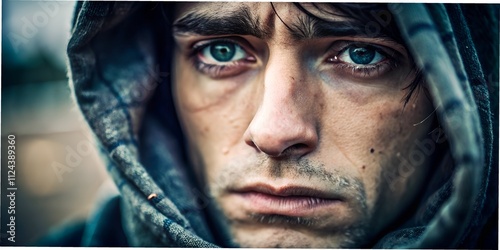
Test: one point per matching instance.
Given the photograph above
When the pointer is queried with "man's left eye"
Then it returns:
(222, 52)
(361, 55)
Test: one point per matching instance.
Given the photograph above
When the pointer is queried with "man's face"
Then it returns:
(298, 128)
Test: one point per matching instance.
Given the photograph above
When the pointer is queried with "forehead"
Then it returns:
(303, 21)
(258, 10)
(219, 8)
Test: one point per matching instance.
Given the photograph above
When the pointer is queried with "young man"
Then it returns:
(291, 125)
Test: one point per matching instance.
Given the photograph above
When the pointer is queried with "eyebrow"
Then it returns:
(309, 28)
(241, 22)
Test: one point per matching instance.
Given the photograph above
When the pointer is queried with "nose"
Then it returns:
(284, 124)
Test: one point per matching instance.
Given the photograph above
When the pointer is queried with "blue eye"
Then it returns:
(222, 52)
(361, 55)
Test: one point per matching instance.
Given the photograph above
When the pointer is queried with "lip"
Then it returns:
(290, 200)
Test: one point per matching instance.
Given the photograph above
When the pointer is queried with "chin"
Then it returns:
(289, 237)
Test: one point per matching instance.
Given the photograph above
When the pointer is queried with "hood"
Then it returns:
(121, 81)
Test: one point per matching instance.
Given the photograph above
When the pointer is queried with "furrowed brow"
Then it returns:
(309, 28)
(239, 22)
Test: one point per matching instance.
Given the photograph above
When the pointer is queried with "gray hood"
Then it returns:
(120, 79)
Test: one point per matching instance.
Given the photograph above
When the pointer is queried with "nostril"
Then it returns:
(298, 146)
(250, 143)
(295, 149)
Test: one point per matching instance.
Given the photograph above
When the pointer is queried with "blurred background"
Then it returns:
(58, 170)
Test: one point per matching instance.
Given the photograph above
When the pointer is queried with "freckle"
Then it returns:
(380, 152)
(372, 150)
(363, 167)
(206, 129)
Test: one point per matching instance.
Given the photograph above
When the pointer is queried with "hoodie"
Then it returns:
(119, 73)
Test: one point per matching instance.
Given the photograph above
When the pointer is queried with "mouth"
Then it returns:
(295, 201)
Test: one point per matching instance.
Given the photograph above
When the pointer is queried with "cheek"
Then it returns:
(395, 167)
(212, 114)
(369, 141)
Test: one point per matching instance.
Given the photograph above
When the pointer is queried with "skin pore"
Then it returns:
(294, 125)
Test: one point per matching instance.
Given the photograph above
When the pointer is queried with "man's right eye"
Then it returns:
(222, 52)
(221, 58)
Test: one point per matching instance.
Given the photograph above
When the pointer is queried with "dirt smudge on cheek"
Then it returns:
(398, 135)
(206, 129)
(387, 139)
